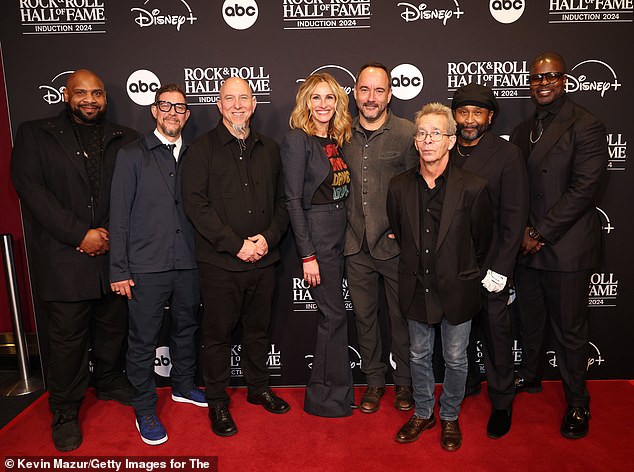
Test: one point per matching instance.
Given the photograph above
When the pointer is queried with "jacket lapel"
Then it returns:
(561, 122)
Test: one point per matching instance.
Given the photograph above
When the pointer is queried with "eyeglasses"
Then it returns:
(551, 78)
(165, 107)
(434, 135)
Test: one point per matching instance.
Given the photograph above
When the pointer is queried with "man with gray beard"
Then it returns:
(233, 193)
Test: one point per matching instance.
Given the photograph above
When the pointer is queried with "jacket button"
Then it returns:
(178, 231)
(171, 174)
(414, 273)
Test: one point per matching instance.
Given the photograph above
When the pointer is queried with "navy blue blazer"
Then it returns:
(149, 231)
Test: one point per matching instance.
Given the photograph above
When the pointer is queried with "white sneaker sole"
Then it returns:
(187, 400)
(151, 442)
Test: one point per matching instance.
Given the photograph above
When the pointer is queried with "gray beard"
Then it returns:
(241, 130)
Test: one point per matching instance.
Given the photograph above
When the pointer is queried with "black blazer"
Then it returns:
(49, 174)
(501, 164)
(464, 238)
(565, 170)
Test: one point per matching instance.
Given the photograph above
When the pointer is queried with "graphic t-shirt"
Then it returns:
(336, 185)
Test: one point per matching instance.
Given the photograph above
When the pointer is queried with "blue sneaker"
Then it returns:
(195, 396)
(151, 430)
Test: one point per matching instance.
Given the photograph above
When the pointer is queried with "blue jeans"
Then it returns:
(455, 339)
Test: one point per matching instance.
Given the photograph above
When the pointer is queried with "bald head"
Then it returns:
(85, 97)
(552, 59)
(236, 104)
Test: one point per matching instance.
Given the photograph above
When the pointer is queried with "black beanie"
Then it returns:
(474, 94)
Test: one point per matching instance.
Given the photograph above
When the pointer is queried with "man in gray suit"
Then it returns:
(381, 147)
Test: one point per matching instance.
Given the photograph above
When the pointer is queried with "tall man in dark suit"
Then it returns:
(381, 146)
(500, 163)
(153, 259)
(566, 157)
(62, 168)
(234, 195)
(441, 216)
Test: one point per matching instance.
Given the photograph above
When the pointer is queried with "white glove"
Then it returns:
(494, 282)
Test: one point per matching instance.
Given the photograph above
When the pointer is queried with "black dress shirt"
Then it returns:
(426, 306)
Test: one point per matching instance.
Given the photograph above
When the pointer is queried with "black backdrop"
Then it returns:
(431, 47)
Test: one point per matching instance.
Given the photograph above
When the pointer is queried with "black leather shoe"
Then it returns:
(411, 430)
(271, 402)
(122, 394)
(371, 399)
(523, 385)
(403, 399)
(575, 424)
(499, 423)
(66, 433)
(221, 422)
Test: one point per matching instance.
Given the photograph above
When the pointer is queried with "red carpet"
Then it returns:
(300, 442)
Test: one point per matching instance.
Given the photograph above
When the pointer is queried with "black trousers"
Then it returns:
(329, 391)
(72, 327)
(364, 273)
(230, 298)
(559, 301)
(147, 309)
(494, 326)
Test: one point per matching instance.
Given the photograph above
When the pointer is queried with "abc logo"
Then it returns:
(407, 81)
(162, 361)
(142, 85)
(506, 11)
(240, 14)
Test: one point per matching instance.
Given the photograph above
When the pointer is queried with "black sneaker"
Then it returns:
(66, 433)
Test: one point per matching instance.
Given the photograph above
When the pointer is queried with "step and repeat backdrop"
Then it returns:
(431, 47)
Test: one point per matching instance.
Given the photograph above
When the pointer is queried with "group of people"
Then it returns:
(440, 211)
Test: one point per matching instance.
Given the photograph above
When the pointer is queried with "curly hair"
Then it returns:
(339, 128)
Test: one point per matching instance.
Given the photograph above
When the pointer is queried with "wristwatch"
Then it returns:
(534, 234)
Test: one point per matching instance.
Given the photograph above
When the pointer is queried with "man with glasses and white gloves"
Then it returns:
(441, 217)
(153, 259)
(566, 155)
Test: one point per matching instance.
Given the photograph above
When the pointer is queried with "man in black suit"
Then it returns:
(62, 168)
(500, 163)
(441, 217)
(566, 157)
(234, 195)
(153, 259)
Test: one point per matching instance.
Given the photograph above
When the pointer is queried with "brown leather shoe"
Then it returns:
(450, 437)
(403, 399)
(371, 398)
(412, 429)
